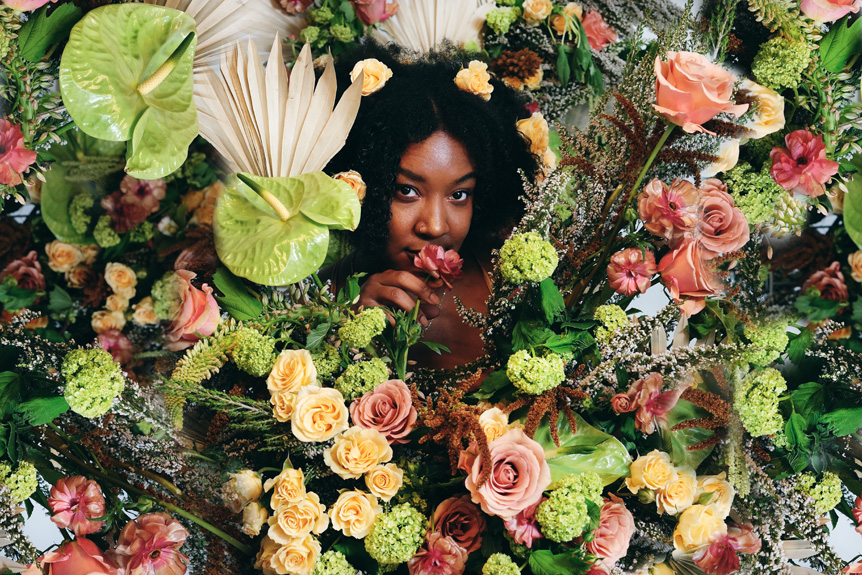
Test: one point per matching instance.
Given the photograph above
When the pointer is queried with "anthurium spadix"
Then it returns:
(275, 231)
(126, 76)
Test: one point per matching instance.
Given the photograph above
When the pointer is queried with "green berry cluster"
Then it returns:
(326, 361)
(500, 564)
(500, 19)
(79, 212)
(166, 296)
(358, 332)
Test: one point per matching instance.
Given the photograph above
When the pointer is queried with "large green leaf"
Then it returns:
(108, 80)
(254, 241)
(681, 440)
(840, 43)
(853, 204)
(588, 449)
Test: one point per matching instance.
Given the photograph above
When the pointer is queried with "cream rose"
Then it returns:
(651, 471)
(268, 547)
(679, 493)
(384, 481)
(104, 320)
(353, 179)
(62, 256)
(298, 519)
(144, 312)
(117, 302)
(537, 10)
(728, 156)
(121, 278)
(354, 512)
(376, 75)
(282, 406)
(79, 276)
(535, 128)
(254, 515)
(560, 23)
(293, 369)
(90, 252)
(768, 114)
(475, 79)
(494, 423)
(721, 491)
(357, 451)
(242, 488)
(854, 260)
(289, 487)
(297, 557)
(319, 414)
(697, 526)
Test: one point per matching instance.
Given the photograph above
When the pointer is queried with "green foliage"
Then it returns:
(237, 300)
(41, 30)
(13, 298)
(853, 204)
(546, 562)
(843, 422)
(815, 308)
(42, 410)
(840, 43)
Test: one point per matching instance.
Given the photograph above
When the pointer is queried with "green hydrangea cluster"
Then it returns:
(143, 233)
(396, 535)
(790, 215)
(78, 212)
(500, 19)
(342, 33)
(358, 332)
(22, 483)
(780, 62)
(826, 493)
(361, 377)
(500, 564)
(612, 318)
(333, 563)
(326, 361)
(756, 401)
(253, 352)
(564, 515)
(535, 374)
(320, 17)
(527, 258)
(771, 339)
(518, 550)
(93, 381)
(755, 193)
(309, 34)
(588, 483)
(104, 234)
(166, 296)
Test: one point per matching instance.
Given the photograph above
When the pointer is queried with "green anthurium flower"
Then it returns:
(126, 76)
(275, 231)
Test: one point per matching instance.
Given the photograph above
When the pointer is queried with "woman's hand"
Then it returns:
(397, 289)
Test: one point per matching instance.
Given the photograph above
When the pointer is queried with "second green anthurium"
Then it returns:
(275, 231)
(126, 76)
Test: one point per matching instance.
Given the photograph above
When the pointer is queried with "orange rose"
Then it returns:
(685, 274)
(384, 481)
(535, 129)
(475, 79)
(376, 75)
(145, 313)
(104, 320)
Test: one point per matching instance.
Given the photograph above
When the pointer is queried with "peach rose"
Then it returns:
(854, 260)
(384, 481)
(254, 515)
(697, 526)
(494, 423)
(242, 488)
(728, 157)
(691, 90)
(599, 34)
(293, 369)
(282, 406)
(297, 557)
(90, 252)
(616, 528)
(289, 486)
(319, 414)
(668, 211)
(197, 316)
(560, 23)
(475, 79)
(768, 116)
(144, 312)
(518, 475)
(353, 179)
(685, 274)
(677, 494)
(461, 520)
(74, 558)
(79, 276)
(722, 226)
(623, 403)
(388, 409)
(354, 512)
(721, 491)
(535, 129)
(828, 10)
(121, 278)
(357, 451)
(376, 75)
(298, 519)
(651, 471)
(537, 10)
(62, 256)
(117, 302)
(104, 320)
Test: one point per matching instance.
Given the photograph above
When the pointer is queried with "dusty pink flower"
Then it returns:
(117, 344)
(802, 166)
(445, 265)
(518, 475)
(721, 227)
(461, 520)
(855, 567)
(136, 200)
(388, 408)
(616, 528)
(374, 11)
(295, 6)
(631, 270)
(523, 527)
(857, 514)
(27, 271)
(150, 545)
(14, 157)
(668, 212)
(691, 90)
(649, 401)
(622, 403)
(829, 282)
(79, 557)
(828, 10)
(685, 274)
(599, 34)
(74, 501)
(196, 317)
(440, 555)
(719, 557)
(745, 539)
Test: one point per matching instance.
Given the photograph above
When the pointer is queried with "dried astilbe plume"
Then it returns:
(520, 65)
(549, 403)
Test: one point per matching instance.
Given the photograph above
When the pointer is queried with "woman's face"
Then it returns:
(433, 200)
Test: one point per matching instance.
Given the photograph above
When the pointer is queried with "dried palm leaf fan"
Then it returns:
(422, 25)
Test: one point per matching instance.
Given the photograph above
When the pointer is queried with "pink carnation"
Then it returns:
(439, 556)
(75, 501)
(631, 271)
(685, 274)
(197, 316)
(27, 271)
(150, 545)
(388, 408)
(829, 282)
(719, 557)
(445, 265)
(461, 520)
(668, 212)
(721, 227)
(14, 157)
(523, 527)
(117, 344)
(802, 166)
(616, 528)
(78, 557)
(599, 34)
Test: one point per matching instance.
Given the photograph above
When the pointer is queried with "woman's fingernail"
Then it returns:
(434, 299)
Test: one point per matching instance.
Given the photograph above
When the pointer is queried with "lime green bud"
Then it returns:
(396, 535)
(104, 234)
(826, 493)
(78, 215)
(320, 17)
(770, 339)
(358, 332)
(790, 215)
(342, 33)
(326, 361)
(361, 377)
(756, 401)
(535, 375)
(527, 258)
(500, 19)
(500, 564)
(166, 296)
(22, 483)
(253, 352)
(143, 233)
(93, 381)
(333, 563)
(310, 34)
(612, 318)
(780, 62)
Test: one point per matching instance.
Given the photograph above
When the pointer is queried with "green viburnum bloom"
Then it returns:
(771, 339)
(342, 33)
(780, 62)
(333, 563)
(612, 318)
(826, 493)
(326, 360)
(93, 381)
(143, 233)
(564, 515)
(500, 564)
(361, 377)
(535, 374)
(22, 483)
(253, 352)
(527, 258)
(309, 34)
(358, 332)
(166, 296)
(396, 535)
(321, 17)
(755, 193)
(756, 400)
(104, 233)
(78, 215)
(500, 19)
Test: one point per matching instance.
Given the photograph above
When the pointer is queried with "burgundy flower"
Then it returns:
(802, 166)
(27, 271)
(14, 157)
(135, 201)
(829, 282)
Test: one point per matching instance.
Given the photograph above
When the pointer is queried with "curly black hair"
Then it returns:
(420, 99)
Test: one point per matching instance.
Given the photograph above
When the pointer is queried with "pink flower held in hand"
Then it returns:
(616, 528)
(668, 212)
(631, 270)
(27, 272)
(74, 501)
(857, 514)
(197, 316)
(150, 545)
(523, 527)
(802, 166)
(684, 273)
(828, 10)
(461, 520)
(388, 408)
(439, 556)
(829, 282)
(374, 11)
(14, 157)
(78, 557)
(438, 263)
(599, 34)
(719, 558)
(722, 226)
(117, 344)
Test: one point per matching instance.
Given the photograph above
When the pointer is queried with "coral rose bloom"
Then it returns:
(461, 520)
(684, 273)
(616, 528)
(691, 90)
(722, 226)
(668, 211)
(78, 557)
(828, 10)
(829, 282)
(631, 270)
(74, 502)
(599, 34)
(14, 157)
(857, 514)
(388, 409)
(150, 545)
(802, 166)
(198, 314)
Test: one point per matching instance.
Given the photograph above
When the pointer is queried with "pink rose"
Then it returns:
(439, 555)
(374, 11)
(722, 226)
(295, 6)
(744, 537)
(388, 408)
(74, 558)
(518, 475)
(616, 528)
(27, 272)
(622, 403)
(14, 157)
(439, 264)
(719, 557)
(802, 166)
(74, 501)
(117, 344)
(599, 34)
(461, 520)
(197, 316)
(684, 273)
(829, 282)
(668, 212)
(523, 527)
(855, 567)
(631, 270)
(857, 514)
(136, 200)
(691, 90)
(828, 10)
(151, 544)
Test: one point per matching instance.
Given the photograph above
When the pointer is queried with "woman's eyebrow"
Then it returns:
(419, 178)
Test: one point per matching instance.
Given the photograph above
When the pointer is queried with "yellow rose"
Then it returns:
(357, 451)
(475, 79)
(104, 320)
(62, 256)
(384, 481)
(697, 526)
(117, 302)
(293, 369)
(661, 569)
(289, 486)
(376, 75)
(298, 519)
(89, 253)
(494, 423)
(722, 492)
(728, 156)
(297, 557)
(354, 513)
(854, 260)
(282, 406)
(537, 10)
(268, 547)
(651, 471)
(121, 278)
(254, 515)
(78, 276)
(354, 180)
(319, 414)
(679, 493)
(145, 313)
(768, 109)
(535, 128)
(242, 488)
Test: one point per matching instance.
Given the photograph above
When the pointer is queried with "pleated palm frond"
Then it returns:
(264, 125)
(423, 24)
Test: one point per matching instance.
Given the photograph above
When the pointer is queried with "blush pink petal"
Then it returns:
(828, 10)
(197, 316)
(523, 527)
(669, 212)
(719, 558)
(721, 227)
(388, 408)
(685, 274)
(745, 540)
(599, 34)
(78, 557)
(14, 157)
(75, 501)
(616, 528)
(440, 555)
(438, 262)
(631, 271)
(374, 11)
(149, 545)
(857, 514)
(802, 166)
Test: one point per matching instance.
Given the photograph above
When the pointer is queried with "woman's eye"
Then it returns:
(460, 195)
(407, 192)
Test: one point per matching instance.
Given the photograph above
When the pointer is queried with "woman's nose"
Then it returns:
(432, 222)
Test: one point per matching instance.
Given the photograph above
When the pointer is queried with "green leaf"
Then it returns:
(42, 410)
(13, 298)
(496, 381)
(110, 55)
(527, 334)
(10, 393)
(351, 291)
(236, 300)
(809, 401)
(843, 422)
(853, 205)
(546, 562)
(682, 439)
(59, 300)
(563, 69)
(840, 43)
(816, 308)
(798, 344)
(856, 316)
(257, 243)
(317, 335)
(795, 430)
(552, 302)
(437, 348)
(41, 30)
